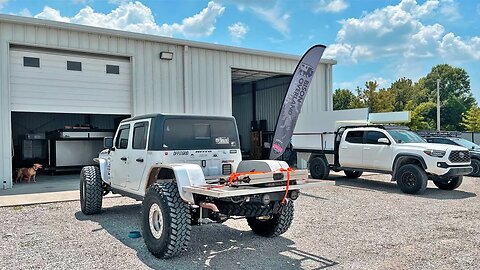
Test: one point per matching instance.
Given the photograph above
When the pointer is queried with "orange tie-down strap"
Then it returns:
(234, 177)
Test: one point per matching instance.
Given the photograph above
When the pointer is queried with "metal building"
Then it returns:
(55, 74)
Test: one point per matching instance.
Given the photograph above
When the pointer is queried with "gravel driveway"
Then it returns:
(354, 224)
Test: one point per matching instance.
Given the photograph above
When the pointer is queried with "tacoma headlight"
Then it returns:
(435, 153)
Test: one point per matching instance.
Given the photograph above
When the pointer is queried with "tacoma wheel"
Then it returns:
(412, 179)
(276, 224)
(450, 184)
(476, 167)
(319, 168)
(165, 221)
(353, 174)
(91, 190)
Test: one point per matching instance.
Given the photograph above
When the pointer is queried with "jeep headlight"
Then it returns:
(435, 153)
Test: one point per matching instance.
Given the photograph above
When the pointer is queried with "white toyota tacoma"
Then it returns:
(392, 150)
(188, 170)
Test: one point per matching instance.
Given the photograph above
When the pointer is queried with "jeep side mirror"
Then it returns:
(383, 141)
(108, 142)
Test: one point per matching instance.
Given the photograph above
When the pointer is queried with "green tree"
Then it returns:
(402, 91)
(342, 99)
(471, 119)
(455, 94)
(421, 118)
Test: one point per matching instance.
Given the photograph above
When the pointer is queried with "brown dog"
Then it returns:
(28, 172)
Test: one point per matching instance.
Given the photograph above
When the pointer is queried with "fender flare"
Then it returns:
(185, 175)
(402, 156)
(103, 164)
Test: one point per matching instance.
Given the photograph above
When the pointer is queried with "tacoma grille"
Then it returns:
(459, 156)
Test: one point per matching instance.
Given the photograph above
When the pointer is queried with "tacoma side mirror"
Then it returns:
(108, 142)
(383, 141)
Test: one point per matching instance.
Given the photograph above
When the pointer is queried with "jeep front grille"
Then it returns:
(459, 156)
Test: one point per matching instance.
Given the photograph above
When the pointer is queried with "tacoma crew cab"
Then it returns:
(187, 170)
(391, 150)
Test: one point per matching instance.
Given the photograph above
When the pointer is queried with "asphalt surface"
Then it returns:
(365, 223)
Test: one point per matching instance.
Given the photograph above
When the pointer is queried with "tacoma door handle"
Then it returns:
(123, 158)
(139, 160)
(367, 148)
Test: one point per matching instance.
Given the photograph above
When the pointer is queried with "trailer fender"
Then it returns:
(183, 174)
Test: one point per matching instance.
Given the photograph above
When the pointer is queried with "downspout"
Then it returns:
(186, 73)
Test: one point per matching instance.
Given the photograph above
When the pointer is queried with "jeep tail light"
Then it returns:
(226, 169)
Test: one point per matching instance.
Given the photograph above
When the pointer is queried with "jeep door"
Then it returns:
(120, 158)
(138, 154)
(350, 151)
(376, 155)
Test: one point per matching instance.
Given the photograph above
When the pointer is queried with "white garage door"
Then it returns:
(52, 81)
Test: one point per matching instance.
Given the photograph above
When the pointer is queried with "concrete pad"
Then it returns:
(47, 189)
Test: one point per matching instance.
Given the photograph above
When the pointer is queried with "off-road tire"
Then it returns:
(412, 179)
(476, 167)
(353, 174)
(91, 190)
(175, 228)
(276, 225)
(319, 168)
(451, 184)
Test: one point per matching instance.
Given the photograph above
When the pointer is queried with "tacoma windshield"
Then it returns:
(405, 136)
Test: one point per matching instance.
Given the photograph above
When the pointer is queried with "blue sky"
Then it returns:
(370, 39)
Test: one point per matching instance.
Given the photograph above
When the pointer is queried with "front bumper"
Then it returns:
(456, 171)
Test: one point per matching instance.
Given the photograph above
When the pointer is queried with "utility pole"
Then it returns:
(438, 104)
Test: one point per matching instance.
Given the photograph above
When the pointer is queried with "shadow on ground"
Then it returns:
(215, 246)
(391, 187)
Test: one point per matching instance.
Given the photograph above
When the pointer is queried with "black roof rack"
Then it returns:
(429, 134)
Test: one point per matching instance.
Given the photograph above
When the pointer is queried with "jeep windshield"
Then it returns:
(405, 136)
(198, 134)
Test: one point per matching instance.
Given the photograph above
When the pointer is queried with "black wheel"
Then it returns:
(353, 174)
(319, 168)
(412, 179)
(476, 168)
(450, 184)
(91, 190)
(274, 226)
(165, 221)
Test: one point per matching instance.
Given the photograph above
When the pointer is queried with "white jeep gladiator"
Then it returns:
(391, 150)
(187, 170)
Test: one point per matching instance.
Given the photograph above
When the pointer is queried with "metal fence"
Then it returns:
(471, 136)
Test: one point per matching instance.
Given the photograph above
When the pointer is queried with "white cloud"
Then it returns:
(399, 32)
(25, 13)
(449, 9)
(238, 31)
(458, 49)
(137, 17)
(3, 3)
(361, 80)
(83, 2)
(270, 11)
(330, 6)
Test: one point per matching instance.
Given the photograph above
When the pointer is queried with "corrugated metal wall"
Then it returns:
(197, 80)
(243, 112)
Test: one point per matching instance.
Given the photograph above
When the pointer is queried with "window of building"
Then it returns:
(31, 61)
(140, 135)
(354, 137)
(112, 69)
(72, 65)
